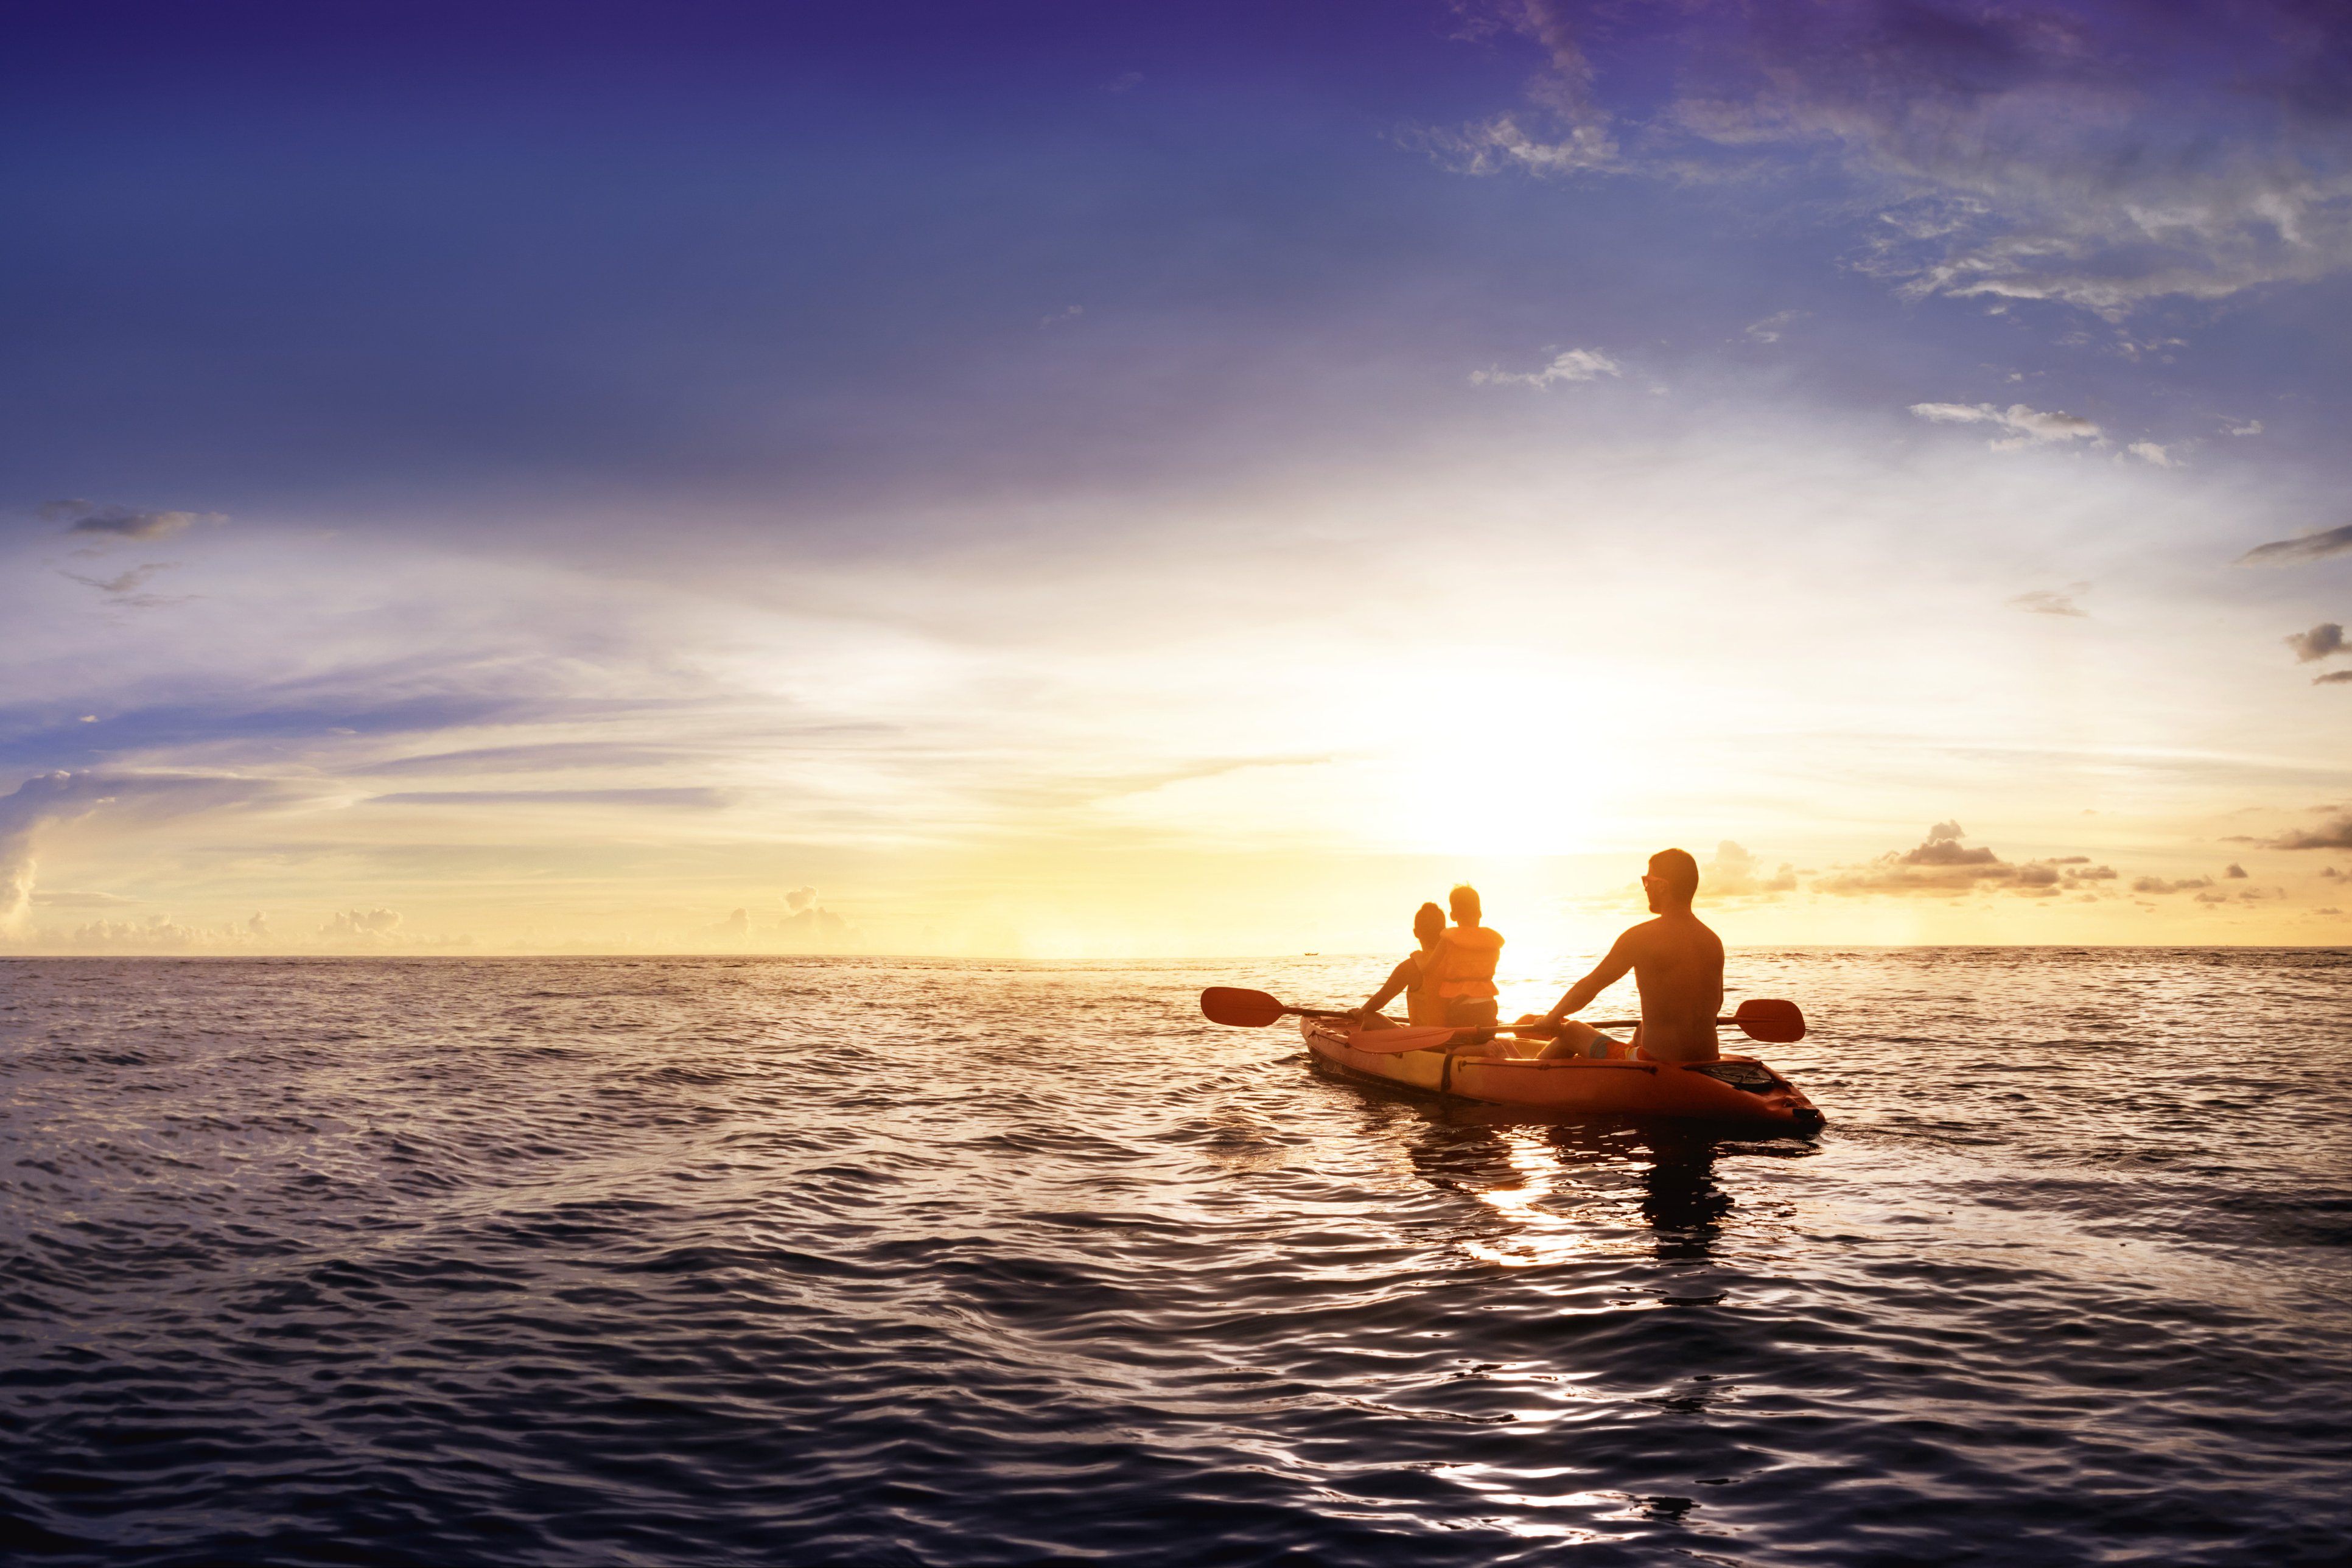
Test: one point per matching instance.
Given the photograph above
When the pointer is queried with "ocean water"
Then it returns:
(806, 1261)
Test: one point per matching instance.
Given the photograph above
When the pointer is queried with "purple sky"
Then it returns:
(473, 348)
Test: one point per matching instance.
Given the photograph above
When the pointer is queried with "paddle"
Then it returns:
(1253, 1009)
(1758, 1017)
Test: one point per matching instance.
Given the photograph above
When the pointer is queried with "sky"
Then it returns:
(1073, 481)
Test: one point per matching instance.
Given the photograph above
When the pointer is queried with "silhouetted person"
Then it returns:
(1678, 963)
(1459, 974)
(1419, 1008)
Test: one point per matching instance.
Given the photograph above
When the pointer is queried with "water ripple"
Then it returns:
(595, 1261)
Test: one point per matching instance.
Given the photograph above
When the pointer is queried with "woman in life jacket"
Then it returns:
(1458, 974)
(1428, 926)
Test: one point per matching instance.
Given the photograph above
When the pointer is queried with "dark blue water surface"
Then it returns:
(804, 1261)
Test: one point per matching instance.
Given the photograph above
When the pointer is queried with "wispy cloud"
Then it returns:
(122, 521)
(2081, 156)
(2027, 427)
(686, 798)
(2316, 546)
(1574, 364)
(47, 799)
(2052, 601)
(125, 588)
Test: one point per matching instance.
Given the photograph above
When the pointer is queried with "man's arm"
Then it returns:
(1607, 972)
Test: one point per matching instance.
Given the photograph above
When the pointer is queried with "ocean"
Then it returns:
(796, 1261)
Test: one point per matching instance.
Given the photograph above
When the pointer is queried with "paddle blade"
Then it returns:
(1243, 1009)
(1760, 1019)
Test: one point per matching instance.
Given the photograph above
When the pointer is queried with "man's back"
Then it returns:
(1678, 965)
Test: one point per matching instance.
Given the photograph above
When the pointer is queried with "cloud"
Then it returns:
(682, 798)
(732, 932)
(68, 900)
(123, 587)
(46, 799)
(548, 757)
(121, 521)
(2234, 872)
(2333, 833)
(2332, 677)
(2321, 641)
(1503, 142)
(813, 927)
(2250, 427)
(807, 926)
(1770, 328)
(360, 926)
(2159, 885)
(1573, 364)
(155, 933)
(2149, 451)
(1734, 873)
(2052, 601)
(2316, 546)
(2027, 427)
(1942, 864)
(2099, 157)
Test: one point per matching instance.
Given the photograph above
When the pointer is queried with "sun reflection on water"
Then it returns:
(1540, 1231)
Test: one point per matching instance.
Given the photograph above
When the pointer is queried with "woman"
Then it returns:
(1428, 927)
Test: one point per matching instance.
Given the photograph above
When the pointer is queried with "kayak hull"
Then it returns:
(1576, 1086)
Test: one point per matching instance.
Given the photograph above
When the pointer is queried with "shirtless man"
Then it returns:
(1678, 963)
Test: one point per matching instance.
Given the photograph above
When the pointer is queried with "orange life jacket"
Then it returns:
(1462, 964)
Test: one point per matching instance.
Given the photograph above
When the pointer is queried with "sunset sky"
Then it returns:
(1092, 480)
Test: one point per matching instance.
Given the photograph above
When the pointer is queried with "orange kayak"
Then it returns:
(1732, 1089)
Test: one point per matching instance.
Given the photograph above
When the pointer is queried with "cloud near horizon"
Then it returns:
(1942, 865)
(45, 800)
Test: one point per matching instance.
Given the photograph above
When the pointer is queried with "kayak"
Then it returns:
(1732, 1089)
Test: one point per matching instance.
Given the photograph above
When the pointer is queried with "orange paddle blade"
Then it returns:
(1243, 1009)
(1760, 1019)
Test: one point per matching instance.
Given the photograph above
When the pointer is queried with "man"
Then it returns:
(1678, 963)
